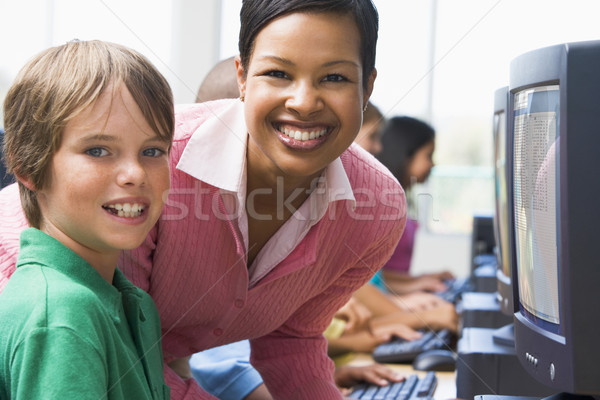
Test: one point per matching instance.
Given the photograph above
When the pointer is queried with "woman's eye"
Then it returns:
(154, 152)
(96, 152)
(335, 78)
(276, 74)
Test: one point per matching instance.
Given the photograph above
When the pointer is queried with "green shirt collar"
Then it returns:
(41, 249)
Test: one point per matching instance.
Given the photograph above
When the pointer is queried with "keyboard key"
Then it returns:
(382, 393)
(427, 385)
(395, 389)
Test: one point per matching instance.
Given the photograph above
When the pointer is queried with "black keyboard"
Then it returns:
(455, 288)
(410, 389)
(399, 350)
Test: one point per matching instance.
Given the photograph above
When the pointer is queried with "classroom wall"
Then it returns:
(434, 252)
(181, 37)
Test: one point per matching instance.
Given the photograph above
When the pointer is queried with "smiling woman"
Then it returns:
(279, 231)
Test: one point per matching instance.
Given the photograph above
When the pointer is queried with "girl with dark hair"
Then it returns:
(408, 145)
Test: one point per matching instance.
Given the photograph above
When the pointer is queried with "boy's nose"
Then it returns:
(131, 173)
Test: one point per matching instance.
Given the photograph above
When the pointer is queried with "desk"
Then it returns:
(446, 381)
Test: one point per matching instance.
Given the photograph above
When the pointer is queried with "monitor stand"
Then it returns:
(481, 310)
(484, 277)
(505, 336)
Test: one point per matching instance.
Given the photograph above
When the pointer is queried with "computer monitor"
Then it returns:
(554, 98)
(502, 221)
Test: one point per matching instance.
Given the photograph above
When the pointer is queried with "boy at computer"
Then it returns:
(88, 132)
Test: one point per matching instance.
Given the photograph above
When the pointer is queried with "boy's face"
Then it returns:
(107, 180)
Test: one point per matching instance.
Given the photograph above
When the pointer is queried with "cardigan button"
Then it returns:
(218, 332)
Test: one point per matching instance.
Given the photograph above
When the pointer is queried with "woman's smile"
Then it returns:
(301, 138)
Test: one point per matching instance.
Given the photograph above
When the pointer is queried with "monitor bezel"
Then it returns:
(505, 288)
(566, 362)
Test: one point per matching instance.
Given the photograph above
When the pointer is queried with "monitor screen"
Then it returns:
(554, 147)
(535, 135)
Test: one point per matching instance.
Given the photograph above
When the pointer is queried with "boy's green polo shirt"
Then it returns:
(66, 333)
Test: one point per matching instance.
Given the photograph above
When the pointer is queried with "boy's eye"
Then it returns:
(334, 78)
(153, 152)
(96, 152)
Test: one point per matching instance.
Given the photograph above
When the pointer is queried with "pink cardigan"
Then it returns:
(195, 270)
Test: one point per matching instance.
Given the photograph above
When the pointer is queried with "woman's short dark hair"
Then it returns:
(256, 14)
(401, 137)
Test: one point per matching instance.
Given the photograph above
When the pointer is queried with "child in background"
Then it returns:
(369, 136)
(407, 150)
(389, 314)
(89, 127)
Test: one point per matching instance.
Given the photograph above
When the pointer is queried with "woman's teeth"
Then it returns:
(126, 210)
(302, 135)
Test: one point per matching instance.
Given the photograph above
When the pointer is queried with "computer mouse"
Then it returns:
(435, 360)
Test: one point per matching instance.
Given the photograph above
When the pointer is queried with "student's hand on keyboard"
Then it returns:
(419, 301)
(365, 341)
(442, 317)
(384, 330)
(347, 376)
(443, 275)
(428, 283)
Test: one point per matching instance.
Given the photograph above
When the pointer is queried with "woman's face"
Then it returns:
(422, 162)
(304, 93)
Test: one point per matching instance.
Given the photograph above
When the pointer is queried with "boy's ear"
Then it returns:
(26, 182)
(241, 76)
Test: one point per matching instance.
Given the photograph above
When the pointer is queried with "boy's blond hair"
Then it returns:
(54, 87)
